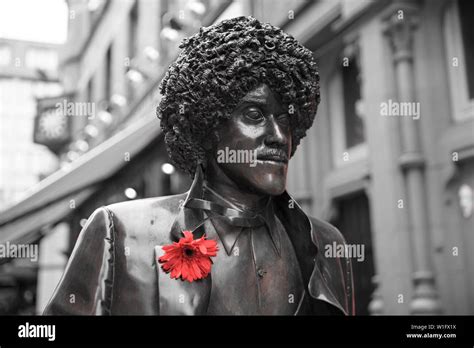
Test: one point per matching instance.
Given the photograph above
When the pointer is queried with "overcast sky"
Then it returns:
(34, 20)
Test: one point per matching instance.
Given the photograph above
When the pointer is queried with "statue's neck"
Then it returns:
(226, 189)
(237, 200)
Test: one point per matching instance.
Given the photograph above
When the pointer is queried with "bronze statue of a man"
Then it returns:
(235, 106)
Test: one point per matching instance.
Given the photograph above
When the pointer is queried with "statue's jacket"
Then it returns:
(113, 269)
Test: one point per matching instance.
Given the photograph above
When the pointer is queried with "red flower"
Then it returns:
(189, 259)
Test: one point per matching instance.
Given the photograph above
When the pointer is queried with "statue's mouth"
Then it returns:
(273, 155)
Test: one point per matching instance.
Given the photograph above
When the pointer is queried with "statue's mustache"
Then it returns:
(273, 154)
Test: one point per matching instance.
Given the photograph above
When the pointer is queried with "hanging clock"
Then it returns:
(52, 125)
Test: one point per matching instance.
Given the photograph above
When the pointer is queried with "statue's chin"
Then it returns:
(270, 189)
(263, 179)
(264, 184)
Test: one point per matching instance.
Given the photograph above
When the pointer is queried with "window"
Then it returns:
(90, 91)
(133, 27)
(459, 41)
(5, 55)
(466, 13)
(108, 74)
(39, 58)
(346, 109)
(354, 128)
(132, 44)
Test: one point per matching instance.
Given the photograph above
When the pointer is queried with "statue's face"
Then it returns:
(255, 144)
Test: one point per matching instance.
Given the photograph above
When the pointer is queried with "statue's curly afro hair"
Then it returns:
(217, 67)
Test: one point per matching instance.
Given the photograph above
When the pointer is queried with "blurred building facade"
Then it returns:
(28, 71)
(401, 186)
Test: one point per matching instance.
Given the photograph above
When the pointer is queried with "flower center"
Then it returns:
(188, 252)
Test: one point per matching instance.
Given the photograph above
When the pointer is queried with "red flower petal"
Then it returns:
(189, 259)
(203, 249)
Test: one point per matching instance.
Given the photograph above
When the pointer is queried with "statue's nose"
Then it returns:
(274, 133)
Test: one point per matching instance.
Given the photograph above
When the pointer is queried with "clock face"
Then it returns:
(52, 125)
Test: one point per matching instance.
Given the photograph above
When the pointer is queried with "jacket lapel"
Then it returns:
(178, 297)
(188, 219)
(316, 269)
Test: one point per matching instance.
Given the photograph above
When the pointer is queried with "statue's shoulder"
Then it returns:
(145, 218)
(148, 206)
(324, 233)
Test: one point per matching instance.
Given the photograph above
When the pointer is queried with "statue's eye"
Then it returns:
(254, 114)
(284, 119)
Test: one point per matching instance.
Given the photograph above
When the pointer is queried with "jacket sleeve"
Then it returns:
(87, 283)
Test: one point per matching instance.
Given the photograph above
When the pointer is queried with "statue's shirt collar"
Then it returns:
(282, 207)
(229, 232)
